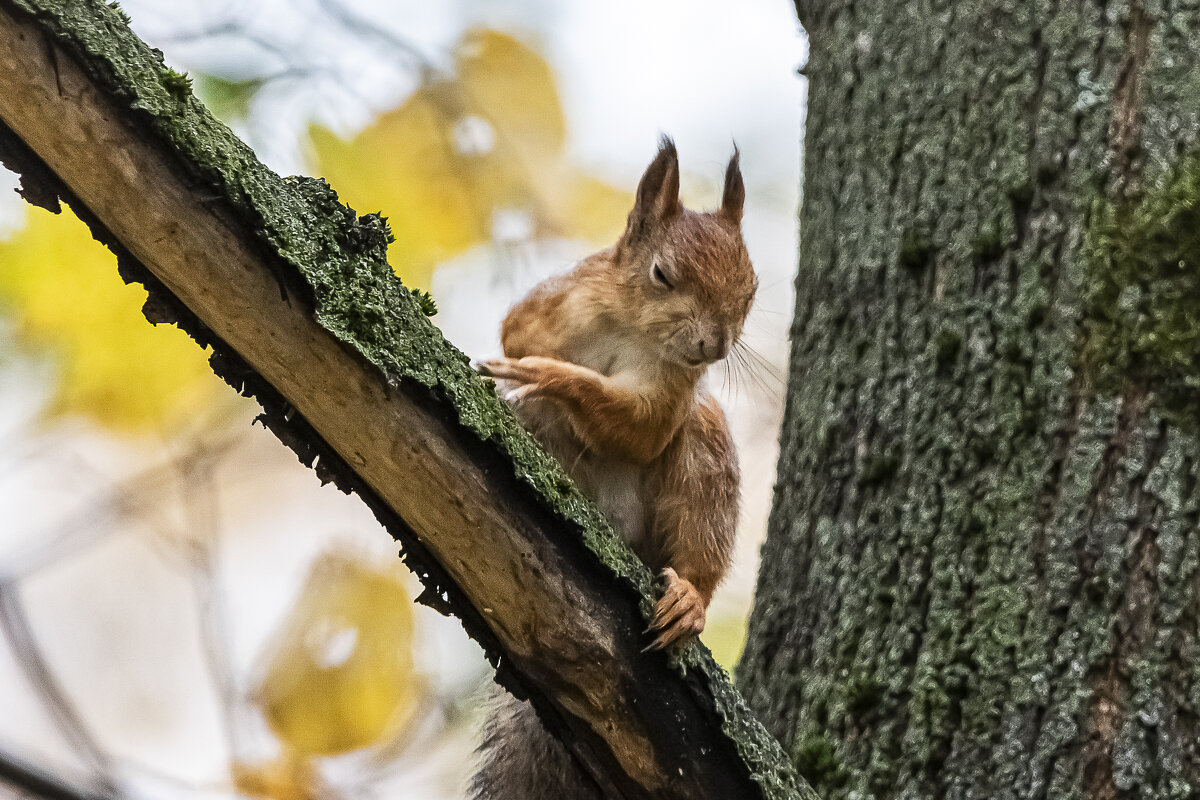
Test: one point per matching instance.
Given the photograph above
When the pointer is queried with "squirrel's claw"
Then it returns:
(530, 369)
(496, 367)
(515, 381)
(679, 613)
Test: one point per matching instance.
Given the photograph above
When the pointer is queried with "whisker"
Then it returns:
(732, 375)
(784, 279)
(758, 369)
(754, 376)
(729, 380)
(759, 360)
(768, 328)
(739, 374)
(744, 377)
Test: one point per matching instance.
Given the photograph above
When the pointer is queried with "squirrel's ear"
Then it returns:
(734, 195)
(658, 190)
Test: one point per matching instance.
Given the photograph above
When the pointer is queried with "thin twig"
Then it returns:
(34, 782)
(15, 626)
(365, 29)
(200, 506)
(129, 496)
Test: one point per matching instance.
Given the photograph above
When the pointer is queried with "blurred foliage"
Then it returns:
(229, 100)
(61, 289)
(284, 778)
(725, 635)
(339, 675)
(474, 155)
(482, 144)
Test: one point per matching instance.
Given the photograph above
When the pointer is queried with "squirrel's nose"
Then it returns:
(714, 347)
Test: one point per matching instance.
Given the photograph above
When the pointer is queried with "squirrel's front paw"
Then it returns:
(678, 614)
(531, 374)
(510, 371)
(521, 370)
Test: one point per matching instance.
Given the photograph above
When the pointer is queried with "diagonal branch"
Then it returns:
(292, 292)
(30, 781)
(14, 626)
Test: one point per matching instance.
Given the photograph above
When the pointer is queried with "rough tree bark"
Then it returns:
(981, 578)
(292, 292)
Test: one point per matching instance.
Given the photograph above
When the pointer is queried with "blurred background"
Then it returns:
(184, 611)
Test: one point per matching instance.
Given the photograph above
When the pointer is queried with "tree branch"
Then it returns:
(14, 626)
(32, 782)
(292, 292)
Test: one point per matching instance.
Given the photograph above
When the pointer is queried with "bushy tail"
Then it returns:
(519, 760)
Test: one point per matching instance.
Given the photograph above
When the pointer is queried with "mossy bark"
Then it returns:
(981, 577)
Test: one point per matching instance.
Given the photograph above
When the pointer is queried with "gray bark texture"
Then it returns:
(981, 576)
(292, 292)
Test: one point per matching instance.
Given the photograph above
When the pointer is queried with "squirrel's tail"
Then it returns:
(519, 760)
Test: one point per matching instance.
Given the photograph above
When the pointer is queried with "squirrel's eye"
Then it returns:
(657, 273)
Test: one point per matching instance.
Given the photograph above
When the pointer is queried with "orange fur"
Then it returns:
(605, 363)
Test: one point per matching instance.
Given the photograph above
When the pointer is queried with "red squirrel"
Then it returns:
(605, 364)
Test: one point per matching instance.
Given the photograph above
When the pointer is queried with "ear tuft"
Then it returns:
(734, 196)
(658, 190)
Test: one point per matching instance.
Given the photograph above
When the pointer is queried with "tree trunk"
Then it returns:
(292, 292)
(981, 578)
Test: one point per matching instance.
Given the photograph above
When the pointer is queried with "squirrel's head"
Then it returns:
(689, 276)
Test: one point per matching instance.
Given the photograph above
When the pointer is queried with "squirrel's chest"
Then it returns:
(610, 351)
(618, 488)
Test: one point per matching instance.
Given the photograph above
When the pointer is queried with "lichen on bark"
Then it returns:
(1143, 298)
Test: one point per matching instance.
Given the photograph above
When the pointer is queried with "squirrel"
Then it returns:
(604, 364)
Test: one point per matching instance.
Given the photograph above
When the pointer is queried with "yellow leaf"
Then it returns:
(339, 675)
(592, 209)
(725, 636)
(487, 138)
(403, 166)
(513, 89)
(286, 778)
(62, 290)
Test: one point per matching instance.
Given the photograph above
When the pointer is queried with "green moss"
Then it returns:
(425, 301)
(120, 12)
(1142, 312)
(1021, 194)
(982, 446)
(863, 696)
(916, 250)
(333, 257)
(778, 778)
(1048, 171)
(945, 348)
(177, 83)
(988, 242)
(879, 469)
(975, 522)
(818, 763)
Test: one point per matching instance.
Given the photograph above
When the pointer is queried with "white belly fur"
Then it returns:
(615, 486)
